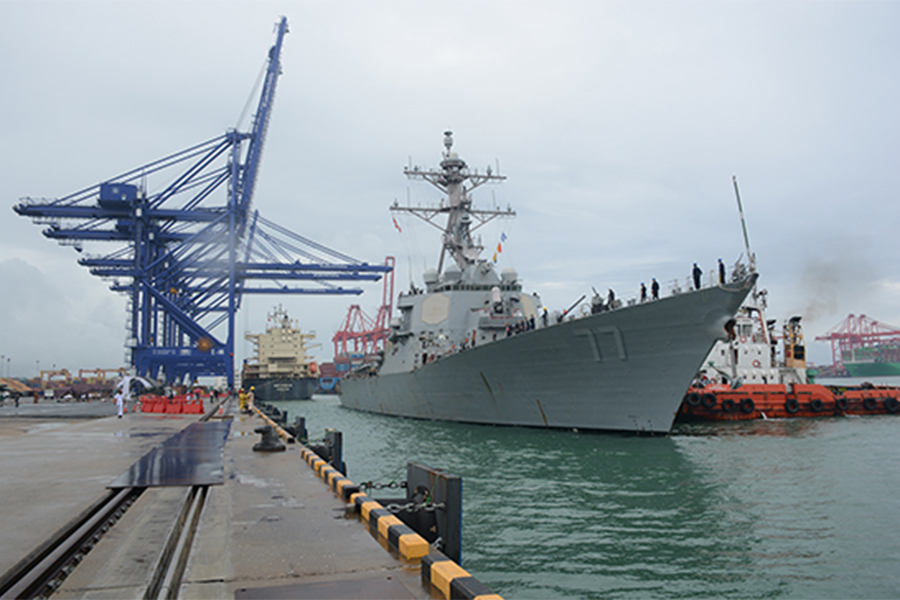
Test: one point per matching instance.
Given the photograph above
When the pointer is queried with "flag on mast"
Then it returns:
(396, 224)
(503, 238)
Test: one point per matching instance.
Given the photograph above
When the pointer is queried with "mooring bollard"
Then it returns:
(270, 441)
(298, 429)
(332, 450)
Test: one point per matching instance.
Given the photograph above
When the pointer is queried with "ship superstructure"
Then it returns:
(281, 368)
(750, 355)
(473, 346)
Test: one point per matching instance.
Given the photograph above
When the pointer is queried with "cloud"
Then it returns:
(45, 319)
(618, 124)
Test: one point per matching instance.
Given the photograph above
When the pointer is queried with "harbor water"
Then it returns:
(799, 508)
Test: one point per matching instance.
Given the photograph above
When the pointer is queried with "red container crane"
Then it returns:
(359, 333)
(854, 334)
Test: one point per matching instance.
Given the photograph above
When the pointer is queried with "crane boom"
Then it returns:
(261, 121)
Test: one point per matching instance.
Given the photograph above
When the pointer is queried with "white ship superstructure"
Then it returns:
(281, 368)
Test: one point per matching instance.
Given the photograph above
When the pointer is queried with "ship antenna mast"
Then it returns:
(455, 180)
(750, 256)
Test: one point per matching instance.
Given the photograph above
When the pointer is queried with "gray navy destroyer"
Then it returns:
(473, 347)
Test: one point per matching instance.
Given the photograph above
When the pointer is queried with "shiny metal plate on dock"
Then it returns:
(193, 456)
(377, 587)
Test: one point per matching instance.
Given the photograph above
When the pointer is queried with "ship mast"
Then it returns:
(455, 180)
(750, 256)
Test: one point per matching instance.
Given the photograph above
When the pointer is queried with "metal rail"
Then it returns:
(170, 566)
(172, 561)
(42, 571)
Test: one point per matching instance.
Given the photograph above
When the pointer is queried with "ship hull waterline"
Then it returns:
(276, 390)
(623, 370)
(873, 369)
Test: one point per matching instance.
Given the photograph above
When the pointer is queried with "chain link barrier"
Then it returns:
(371, 485)
(412, 507)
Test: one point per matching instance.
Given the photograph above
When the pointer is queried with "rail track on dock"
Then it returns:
(40, 573)
(43, 570)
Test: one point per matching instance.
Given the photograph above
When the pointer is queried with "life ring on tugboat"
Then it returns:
(743, 339)
(816, 405)
(692, 399)
(792, 406)
(891, 405)
(727, 405)
(708, 400)
(870, 403)
(757, 364)
(842, 403)
(747, 406)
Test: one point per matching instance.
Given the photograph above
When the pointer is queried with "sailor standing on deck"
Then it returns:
(697, 274)
(721, 272)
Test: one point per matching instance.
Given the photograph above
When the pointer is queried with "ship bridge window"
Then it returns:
(475, 287)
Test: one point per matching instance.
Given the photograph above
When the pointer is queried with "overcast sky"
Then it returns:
(618, 124)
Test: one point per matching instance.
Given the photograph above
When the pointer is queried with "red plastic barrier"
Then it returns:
(175, 405)
(149, 404)
(193, 408)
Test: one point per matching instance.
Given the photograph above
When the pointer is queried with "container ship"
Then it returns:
(281, 368)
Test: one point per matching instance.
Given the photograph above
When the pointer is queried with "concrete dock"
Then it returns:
(274, 529)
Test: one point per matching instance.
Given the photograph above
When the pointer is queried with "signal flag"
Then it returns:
(396, 224)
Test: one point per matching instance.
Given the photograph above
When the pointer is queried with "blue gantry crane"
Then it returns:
(189, 246)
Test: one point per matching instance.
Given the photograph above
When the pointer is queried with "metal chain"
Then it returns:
(411, 507)
(379, 486)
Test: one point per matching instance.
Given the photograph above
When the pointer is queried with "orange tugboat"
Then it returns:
(741, 379)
